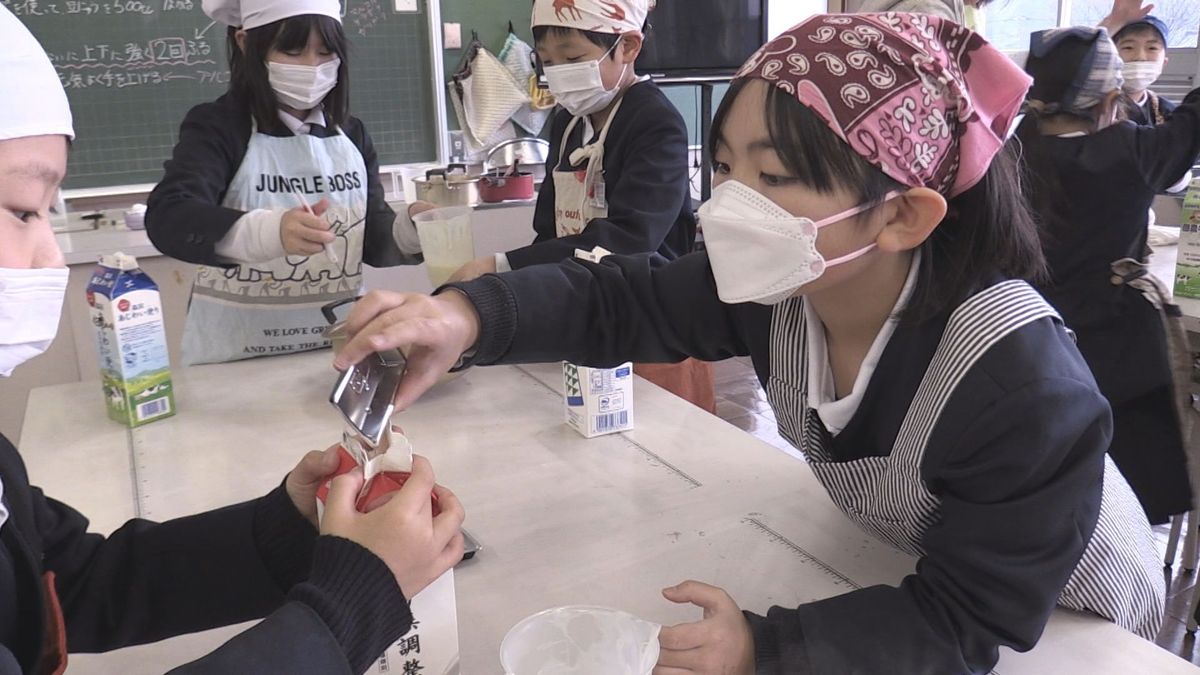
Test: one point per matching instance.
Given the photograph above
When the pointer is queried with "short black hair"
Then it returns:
(605, 40)
(988, 231)
(248, 79)
(1135, 29)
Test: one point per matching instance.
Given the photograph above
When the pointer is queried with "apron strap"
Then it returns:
(974, 328)
(1136, 275)
(562, 146)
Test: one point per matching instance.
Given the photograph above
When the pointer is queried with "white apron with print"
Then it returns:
(579, 195)
(270, 308)
(1119, 576)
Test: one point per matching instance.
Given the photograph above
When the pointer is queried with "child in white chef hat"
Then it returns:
(274, 188)
(334, 598)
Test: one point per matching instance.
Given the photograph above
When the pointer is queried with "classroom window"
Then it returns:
(1181, 16)
(1008, 24)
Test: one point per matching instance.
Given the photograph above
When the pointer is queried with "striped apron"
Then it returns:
(1119, 576)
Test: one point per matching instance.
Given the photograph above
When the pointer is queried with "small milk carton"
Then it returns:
(599, 400)
(1187, 267)
(131, 342)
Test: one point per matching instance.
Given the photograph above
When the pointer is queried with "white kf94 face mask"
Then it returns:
(759, 251)
(303, 87)
(30, 306)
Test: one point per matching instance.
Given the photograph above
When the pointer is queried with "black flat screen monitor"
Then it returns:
(703, 38)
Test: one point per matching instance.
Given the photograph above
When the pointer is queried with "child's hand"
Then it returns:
(474, 269)
(304, 233)
(302, 483)
(415, 545)
(720, 644)
(1123, 13)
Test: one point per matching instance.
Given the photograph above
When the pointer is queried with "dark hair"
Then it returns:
(988, 231)
(605, 40)
(1053, 77)
(248, 79)
(1138, 29)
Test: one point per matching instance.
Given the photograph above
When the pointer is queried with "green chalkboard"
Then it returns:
(133, 68)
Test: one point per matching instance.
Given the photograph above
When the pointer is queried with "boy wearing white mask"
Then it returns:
(1143, 47)
(619, 158)
(334, 598)
(274, 188)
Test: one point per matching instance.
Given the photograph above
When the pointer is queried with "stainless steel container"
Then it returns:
(529, 154)
(451, 186)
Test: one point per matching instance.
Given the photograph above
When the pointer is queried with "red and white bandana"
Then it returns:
(598, 16)
(926, 100)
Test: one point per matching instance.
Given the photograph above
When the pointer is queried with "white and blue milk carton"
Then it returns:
(131, 342)
(599, 400)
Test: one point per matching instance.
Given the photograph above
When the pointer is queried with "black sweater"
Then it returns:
(184, 216)
(333, 606)
(646, 181)
(1016, 459)
(1144, 113)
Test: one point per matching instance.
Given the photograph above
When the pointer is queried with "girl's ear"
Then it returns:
(911, 218)
(240, 37)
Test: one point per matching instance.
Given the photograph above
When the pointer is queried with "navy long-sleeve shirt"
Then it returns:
(332, 606)
(1016, 460)
(647, 185)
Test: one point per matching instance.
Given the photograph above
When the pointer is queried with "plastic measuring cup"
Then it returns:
(446, 240)
(580, 641)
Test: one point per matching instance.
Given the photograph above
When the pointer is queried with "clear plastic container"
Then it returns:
(580, 640)
(446, 240)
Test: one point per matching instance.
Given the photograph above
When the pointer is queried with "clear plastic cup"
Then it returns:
(446, 239)
(580, 641)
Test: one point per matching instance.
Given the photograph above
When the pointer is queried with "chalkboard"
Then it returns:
(133, 68)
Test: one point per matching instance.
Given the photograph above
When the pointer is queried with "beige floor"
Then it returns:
(741, 402)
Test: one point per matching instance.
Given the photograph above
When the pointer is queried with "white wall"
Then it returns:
(783, 14)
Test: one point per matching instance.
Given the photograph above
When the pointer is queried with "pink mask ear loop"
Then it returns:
(848, 214)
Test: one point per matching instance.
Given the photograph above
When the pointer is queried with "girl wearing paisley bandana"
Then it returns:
(868, 247)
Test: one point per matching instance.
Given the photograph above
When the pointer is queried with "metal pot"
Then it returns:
(446, 188)
(529, 154)
(502, 186)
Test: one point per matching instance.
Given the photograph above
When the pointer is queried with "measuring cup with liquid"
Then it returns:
(446, 240)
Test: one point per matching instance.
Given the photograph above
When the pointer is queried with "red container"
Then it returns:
(497, 186)
(381, 485)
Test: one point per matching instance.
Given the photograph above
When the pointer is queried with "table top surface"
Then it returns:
(562, 519)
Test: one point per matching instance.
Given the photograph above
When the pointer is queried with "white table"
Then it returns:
(563, 520)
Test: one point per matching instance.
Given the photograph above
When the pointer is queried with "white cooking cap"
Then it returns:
(255, 13)
(37, 104)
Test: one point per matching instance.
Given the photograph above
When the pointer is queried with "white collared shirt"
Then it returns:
(302, 127)
(836, 413)
(3, 508)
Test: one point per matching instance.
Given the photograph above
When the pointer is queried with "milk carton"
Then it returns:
(599, 400)
(1187, 267)
(131, 342)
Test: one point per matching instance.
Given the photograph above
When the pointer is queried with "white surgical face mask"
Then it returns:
(30, 306)
(759, 252)
(579, 87)
(303, 87)
(1139, 75)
